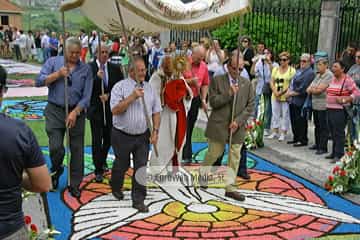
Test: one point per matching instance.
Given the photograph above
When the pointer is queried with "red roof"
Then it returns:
(8, 7)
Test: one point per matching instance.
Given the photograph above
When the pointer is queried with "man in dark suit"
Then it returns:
(106, 75)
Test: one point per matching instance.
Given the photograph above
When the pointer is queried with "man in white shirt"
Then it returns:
(45, 45)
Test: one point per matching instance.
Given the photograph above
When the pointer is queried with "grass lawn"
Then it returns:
(39, 128)
(21, 76)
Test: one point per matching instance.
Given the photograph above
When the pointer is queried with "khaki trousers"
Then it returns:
(215, 150)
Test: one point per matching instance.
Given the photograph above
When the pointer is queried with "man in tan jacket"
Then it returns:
(222, 90)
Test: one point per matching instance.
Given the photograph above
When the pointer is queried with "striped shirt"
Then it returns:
(133, 120)
(334, 91)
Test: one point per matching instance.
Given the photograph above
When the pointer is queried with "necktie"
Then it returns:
(105, 80)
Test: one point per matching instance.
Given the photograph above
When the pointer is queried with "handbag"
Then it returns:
(266, 90)
(306, 110)
(348, 108)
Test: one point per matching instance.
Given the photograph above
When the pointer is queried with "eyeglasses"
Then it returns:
(283, 59)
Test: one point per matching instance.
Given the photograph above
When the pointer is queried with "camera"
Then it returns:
(279, 82)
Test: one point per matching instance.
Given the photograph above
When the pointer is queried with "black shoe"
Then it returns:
(329, 156)
(244, 175)
(300, 144)
(320, 152)
(235, 195)
(99, 178)
(291, 142)
(335, 160)
(313, 147)
(118, 195)
(75, 192)
(55, 178)
(141, 207)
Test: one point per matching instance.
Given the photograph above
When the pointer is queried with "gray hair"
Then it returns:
(133, 61)
(323, 61)
(306, 56)
(72, 41)
(103, 45)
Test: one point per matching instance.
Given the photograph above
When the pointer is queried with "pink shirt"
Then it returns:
(334, 91)
(201, 72)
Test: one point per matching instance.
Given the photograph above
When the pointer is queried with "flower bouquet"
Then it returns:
(34, 233)
(254, 134)
(346, 174)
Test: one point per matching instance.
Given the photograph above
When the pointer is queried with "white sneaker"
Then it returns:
(266, 132)
(273, 136)
(282, 138)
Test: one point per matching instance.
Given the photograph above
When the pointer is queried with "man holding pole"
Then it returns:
(227, 122)
(105, 75)
(131, 134)
(79, 82)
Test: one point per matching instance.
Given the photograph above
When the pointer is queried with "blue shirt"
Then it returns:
(18, 151)
(54, 42)
(80, 84)
(300, 83)
(133, 121)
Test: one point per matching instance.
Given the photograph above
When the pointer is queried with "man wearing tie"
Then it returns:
(223, 89)
(105, 75)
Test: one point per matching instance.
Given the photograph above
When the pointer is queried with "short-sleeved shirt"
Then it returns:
(343, 88)
(19, 150)
(201, 72)
(282, 80)
(319, 101)
(354, 73)
(133, 120)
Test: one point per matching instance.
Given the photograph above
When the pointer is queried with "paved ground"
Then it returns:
(300, 161)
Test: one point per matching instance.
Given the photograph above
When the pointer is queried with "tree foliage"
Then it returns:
(278, 34)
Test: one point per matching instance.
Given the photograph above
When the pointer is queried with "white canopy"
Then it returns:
(158, 15)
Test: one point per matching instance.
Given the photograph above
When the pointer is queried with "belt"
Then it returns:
(62, 107)
(130, 135)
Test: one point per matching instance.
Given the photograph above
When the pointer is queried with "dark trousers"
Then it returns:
(337, 124)
(299, 124)
(139, 146)
(191, 120)
(101, 142)
(17, 52)
(243, 158)
(55, 129)
(267, 111)
(321, 129)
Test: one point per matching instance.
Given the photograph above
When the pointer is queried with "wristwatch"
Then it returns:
(156, 130)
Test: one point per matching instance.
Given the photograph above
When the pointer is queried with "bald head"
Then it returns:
(198, 54)
(233, 59)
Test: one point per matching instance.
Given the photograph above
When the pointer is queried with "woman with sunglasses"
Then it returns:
(280, 81)
(248, 53)
(262, 72)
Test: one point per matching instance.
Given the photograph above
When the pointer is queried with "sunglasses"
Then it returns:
(303, 61)
(245, 41)
(283, 59)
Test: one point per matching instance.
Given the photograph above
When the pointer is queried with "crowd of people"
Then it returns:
(139, 93)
